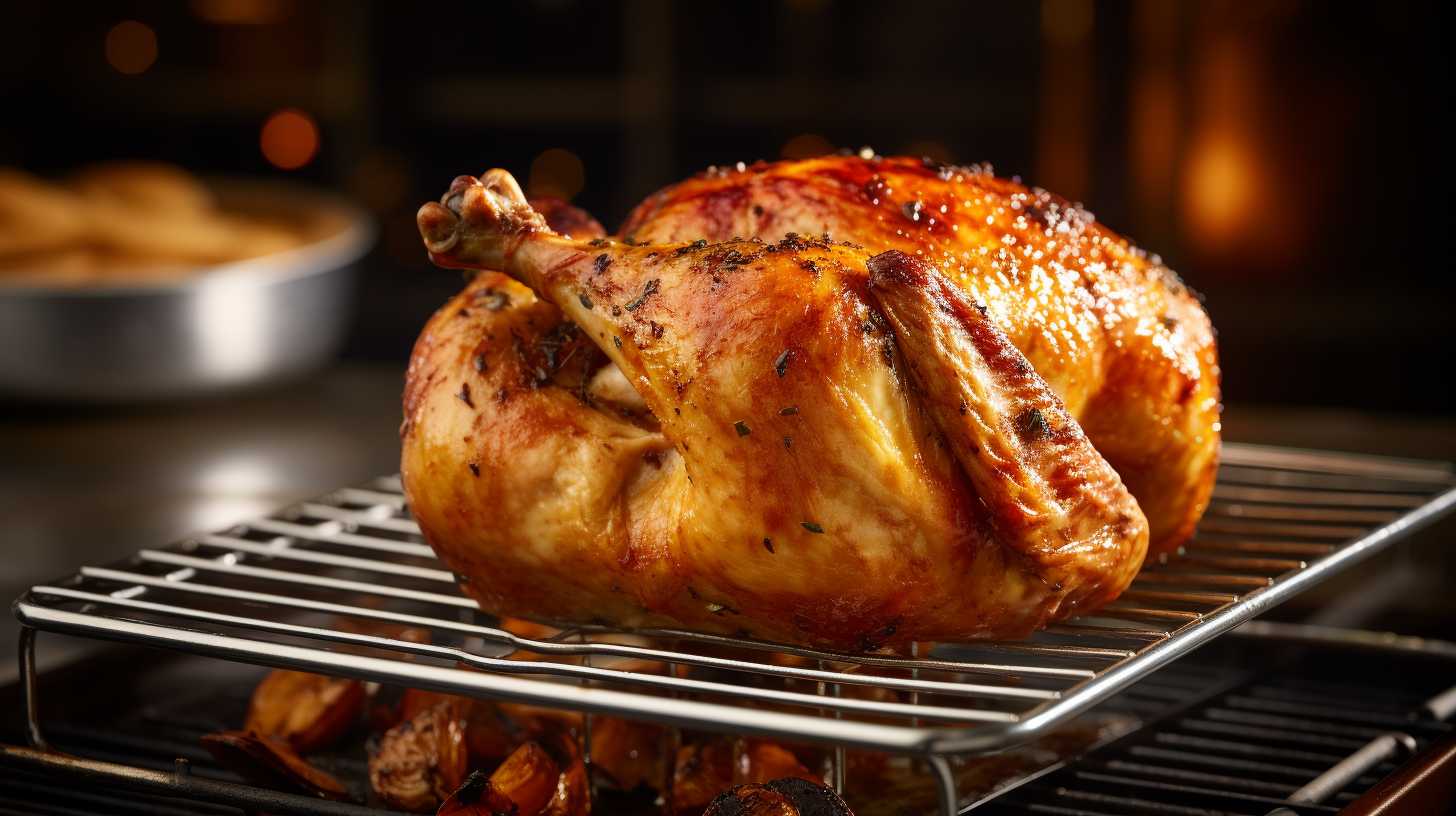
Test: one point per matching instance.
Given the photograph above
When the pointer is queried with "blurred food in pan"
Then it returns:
(127, 222)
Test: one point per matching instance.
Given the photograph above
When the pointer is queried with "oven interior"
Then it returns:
(1175, 700)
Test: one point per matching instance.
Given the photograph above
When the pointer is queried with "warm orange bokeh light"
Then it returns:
(556, 173)
(1220, 193)
(241, 12)
(131, 47)
(1065, 118)
(289, 139)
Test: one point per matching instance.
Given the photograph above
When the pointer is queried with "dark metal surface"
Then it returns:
(90, 485)
(1259, 702)
(1308, 738)
(180, 782)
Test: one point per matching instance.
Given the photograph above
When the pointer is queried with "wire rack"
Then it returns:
(331, 585)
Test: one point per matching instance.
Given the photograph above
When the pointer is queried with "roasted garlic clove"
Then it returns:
(310, 711)
(419, 762)
(271, 763)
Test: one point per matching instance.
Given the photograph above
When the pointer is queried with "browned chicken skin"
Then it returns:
(1120, 340)
(805, 441)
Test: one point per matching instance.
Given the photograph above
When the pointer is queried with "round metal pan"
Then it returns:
(249, 322)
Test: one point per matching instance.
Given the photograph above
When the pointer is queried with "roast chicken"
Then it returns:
(847, 402)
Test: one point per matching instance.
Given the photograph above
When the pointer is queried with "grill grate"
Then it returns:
(1250, 749)
(311, 587)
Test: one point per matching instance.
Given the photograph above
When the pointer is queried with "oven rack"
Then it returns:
(328, 585)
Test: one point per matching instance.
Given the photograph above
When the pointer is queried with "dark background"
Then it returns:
(1290, 159)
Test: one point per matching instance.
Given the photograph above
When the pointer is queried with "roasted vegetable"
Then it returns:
(476, 797)
(751, 800)
(528, 783)
(419, 762)
(704, 769)
(310, 711)
(793, 796)
(572, 796)
(762, 761)
(631, 753)
(528, 778)
(271, 763)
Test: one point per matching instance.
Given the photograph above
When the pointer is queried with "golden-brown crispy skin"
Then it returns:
(780, 463)
(1114, 333)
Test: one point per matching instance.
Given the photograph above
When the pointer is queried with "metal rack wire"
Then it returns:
(328, 585)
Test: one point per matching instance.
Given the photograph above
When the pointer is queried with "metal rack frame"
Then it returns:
(1281, 521)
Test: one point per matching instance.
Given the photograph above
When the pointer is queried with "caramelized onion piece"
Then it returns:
(419, 762)
(271, 763)
(310, 711)
(489, 734)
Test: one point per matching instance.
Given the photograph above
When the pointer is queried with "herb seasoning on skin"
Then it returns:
(647, 291)
(1033, 425)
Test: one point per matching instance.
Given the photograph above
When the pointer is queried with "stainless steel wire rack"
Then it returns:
(329, 586)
